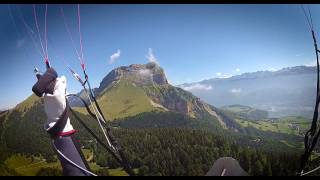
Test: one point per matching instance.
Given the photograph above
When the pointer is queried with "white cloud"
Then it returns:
(226, 76)
(220, 75)
(313, 63)
(201, 87)
(114, 57)
(20, 43)
(298, 55)
(236, 90)
(237, 70)
(151, 58)
(272, 69)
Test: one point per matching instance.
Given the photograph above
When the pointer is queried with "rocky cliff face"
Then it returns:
(140, 74)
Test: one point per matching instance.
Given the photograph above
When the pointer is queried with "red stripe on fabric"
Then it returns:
(67, 133)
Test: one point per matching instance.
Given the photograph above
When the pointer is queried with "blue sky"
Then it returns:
(191, 42)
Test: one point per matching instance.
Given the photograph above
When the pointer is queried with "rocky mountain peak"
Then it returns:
(140, 74)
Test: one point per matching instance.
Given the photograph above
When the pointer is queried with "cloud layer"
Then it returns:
(201, 87)
(272, 69)
(114, 57)
(312, 63)
(220, 75)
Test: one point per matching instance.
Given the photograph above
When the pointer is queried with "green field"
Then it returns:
(246, 112)
(238, 108)
(28, 166)
(250, 117)
(117, 172)
(288, 125)
(31, 165)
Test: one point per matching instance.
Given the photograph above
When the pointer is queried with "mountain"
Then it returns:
(76, 102)
(21, 128)
(138, 88)
(149, 111)
(125, 92)
(140, 92)
(286, 92)
(134, 96)
(138, 75)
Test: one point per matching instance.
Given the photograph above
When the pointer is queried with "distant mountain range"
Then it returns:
(289, 91)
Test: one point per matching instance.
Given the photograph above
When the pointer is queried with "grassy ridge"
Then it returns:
(124, 100)
(27, 104)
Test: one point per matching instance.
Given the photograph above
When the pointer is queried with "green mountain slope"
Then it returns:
(124, 99)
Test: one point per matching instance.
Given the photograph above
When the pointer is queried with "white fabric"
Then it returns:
(55, 104)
